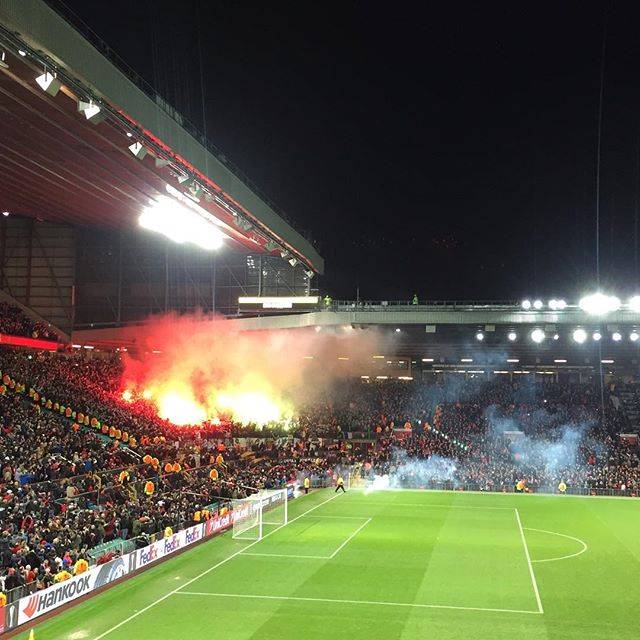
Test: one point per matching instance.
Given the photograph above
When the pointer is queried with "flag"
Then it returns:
(32, 635)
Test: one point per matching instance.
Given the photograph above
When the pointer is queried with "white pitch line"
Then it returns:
(353, 535)
(526, 553)
(283, 555)
(432, 505)
(204, 573)
(369, 602)
(341, 517)
(562, 535)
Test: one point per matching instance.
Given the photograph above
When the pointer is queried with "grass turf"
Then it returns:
(391, 565)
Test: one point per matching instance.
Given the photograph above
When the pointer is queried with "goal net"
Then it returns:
(255, 516)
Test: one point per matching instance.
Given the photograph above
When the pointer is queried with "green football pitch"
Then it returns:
(392, 564)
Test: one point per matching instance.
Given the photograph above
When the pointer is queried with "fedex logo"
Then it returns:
(172, 544)
(192, 535)
(148, 555)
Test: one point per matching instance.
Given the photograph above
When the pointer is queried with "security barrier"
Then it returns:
(38, 603)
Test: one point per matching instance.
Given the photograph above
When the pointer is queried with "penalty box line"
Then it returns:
(416, 605)
(313, 557)
(205, 572)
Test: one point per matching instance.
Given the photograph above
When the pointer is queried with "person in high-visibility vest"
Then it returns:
(340, 485)
(3, 599)
(307, 484)
(562, 487)
(328, 300)
(520, 486)
(415, 299)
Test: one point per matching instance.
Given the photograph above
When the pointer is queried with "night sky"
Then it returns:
(443, 148)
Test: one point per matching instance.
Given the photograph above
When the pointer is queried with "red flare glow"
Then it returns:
(196, 369)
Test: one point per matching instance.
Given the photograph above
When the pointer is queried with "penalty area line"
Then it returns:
(340, 517)
(353, 535)
(425, 505)
(205, 572)
(284, 555)
(416, 605)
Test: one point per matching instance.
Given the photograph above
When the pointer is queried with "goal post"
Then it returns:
(275, 509)
(259, 513)
(247, 519)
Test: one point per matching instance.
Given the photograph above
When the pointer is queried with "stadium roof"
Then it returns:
(60, 165)
(447, 333)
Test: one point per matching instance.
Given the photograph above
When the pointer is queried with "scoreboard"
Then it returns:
(277, 304)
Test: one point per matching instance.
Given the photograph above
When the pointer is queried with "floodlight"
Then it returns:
(616, 336)
(526, 304)
(633, 336)
(309, 274)
(557, 305)
(556, 336)
(270, 245)
(398, 329)
(195, 190)
(599, 304)
(49, 83)
(180, 224)
(634, 304)
(597, 336)
(537, 304)
(92, 111)
(293, 262)
(537, 335)
(6, 214)
(512, 335)
(22, 52)
(579, 336)
(479, 336)
(138, 150)
(3, 61)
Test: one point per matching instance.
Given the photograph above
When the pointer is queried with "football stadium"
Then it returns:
(202, 436)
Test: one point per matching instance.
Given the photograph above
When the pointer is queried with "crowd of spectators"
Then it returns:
(66, 488)
(501, 433)
(14, 321)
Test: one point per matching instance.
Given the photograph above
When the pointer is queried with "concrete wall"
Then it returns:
(37, 267)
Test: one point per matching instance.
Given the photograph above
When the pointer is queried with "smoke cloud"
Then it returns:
(409, 472)
(196, 368)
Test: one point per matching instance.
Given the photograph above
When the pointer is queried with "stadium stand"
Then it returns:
(74, 489)
(14, 321)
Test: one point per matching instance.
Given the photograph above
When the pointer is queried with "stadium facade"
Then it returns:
(86, 145)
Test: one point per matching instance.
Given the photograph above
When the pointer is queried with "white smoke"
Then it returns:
(406, 471)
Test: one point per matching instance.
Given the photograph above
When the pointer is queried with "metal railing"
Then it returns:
(510, 488)
(426, 305)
